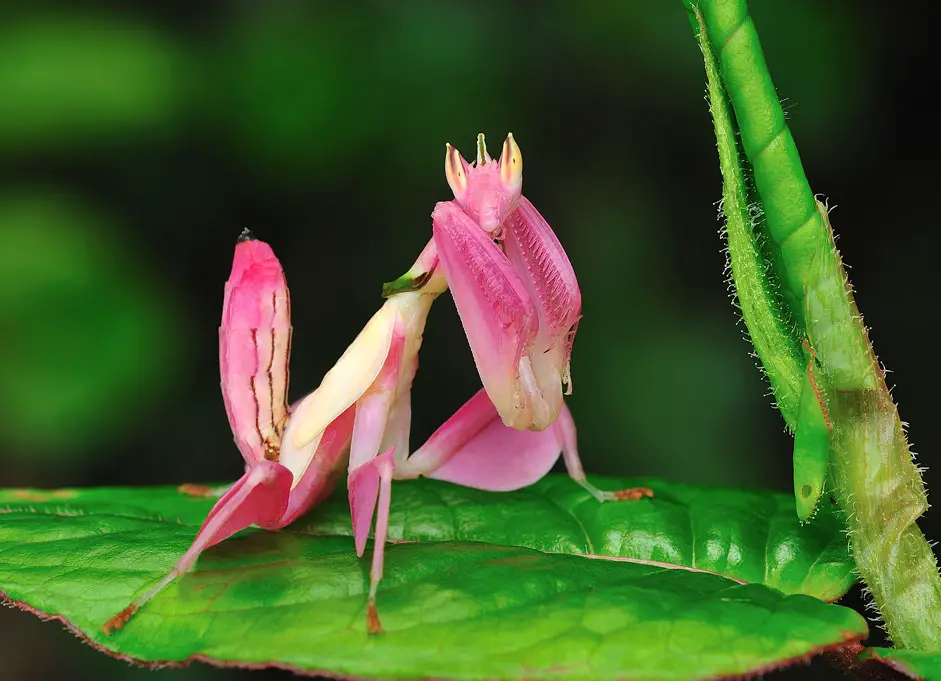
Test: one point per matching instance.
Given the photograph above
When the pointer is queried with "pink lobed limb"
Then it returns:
(566, 433)
(399, 427)
(495, 309)
(375, 405)
(324, 471)
(473, 416)
(385, 466)
(258, 497)
(475, 449)
(342, 387)
(367, 484)
(362, 488)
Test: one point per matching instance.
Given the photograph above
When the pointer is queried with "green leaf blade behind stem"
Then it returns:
(451, 609)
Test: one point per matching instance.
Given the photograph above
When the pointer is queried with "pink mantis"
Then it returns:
(518, 303)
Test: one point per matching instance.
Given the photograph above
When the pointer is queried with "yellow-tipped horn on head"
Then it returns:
(455, 171)
(511, 162)
(483, 157)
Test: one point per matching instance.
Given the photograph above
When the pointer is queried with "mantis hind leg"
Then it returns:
(259, 497)
(565, 431)
(475, 449)
(368, 484)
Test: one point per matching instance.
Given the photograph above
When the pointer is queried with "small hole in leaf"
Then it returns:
(805, 491)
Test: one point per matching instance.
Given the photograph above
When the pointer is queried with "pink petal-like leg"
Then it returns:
(370, 472)
(565, 429)
(399, 426)
(368, 483)
(325, 469)
(475, 449)
(374, 407)
(258, 497)
(494, 306)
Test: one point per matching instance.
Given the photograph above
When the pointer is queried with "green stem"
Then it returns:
(766, 318)
(791, 214)
(876, 482)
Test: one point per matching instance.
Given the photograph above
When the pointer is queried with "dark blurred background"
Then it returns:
(138, 139)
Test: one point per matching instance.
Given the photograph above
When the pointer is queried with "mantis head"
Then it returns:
(487, 190)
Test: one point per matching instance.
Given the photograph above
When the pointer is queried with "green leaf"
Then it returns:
(750, 536)
(487, 585)
(918, 664)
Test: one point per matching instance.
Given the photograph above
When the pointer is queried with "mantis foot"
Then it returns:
(630, 494)
(373, 625)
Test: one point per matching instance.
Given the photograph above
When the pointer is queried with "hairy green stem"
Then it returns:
(879, 487)
(766, 319)
(876, 483)
(791, 216)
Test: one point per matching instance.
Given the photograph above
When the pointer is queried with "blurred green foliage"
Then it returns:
(138, 139)
(72, 78)
(90, 337)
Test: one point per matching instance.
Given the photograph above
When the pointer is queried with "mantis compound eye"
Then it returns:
(511, 163)
(455, 169)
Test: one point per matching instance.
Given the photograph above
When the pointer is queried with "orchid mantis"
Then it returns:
(359, 417)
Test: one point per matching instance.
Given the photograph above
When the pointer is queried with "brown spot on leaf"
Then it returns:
(633, 493)
(38, 495)
(193, 490)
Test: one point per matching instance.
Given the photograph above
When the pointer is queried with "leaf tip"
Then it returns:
(807, 498)
(195, 490)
